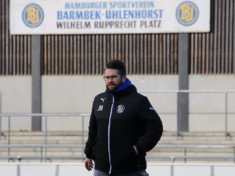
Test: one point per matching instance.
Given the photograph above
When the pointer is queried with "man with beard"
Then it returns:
(123, 127)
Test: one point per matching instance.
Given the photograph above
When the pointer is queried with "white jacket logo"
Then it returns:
(120, 109)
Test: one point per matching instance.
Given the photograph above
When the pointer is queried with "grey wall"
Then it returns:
(211, 106)
(74, 94)
(16, 98)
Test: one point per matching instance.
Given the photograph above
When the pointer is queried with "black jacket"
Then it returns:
(112, 134)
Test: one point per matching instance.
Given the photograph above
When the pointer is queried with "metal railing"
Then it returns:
(45, 146)
(225, 92)
(185, 152)
(43, 153)
(44, 157)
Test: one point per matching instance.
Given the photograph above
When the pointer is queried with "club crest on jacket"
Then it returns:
(120, 109)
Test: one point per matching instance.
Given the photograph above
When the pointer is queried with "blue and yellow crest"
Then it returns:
(187, 13)
(33, 15)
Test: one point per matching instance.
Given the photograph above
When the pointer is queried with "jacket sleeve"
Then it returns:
(91, 135)
(152, 126)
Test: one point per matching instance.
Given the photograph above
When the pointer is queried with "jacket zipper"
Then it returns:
(109, 152)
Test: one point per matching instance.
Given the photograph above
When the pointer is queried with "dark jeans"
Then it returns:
(139, 173)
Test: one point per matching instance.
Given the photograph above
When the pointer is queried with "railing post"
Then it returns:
(41, 153)
(177, 117)
(233, 154)
(0, 126)
(185, 154)
(9, 138)
(226, 115)
(172, 159)
(45, 139)
(0, 116)
(82, 138)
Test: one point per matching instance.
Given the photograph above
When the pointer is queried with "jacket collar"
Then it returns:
(125, 88)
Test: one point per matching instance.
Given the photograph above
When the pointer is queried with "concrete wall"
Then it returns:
(207, 109)
(16, 98)
(74, 94)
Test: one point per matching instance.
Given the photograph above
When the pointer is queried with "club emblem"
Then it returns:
(33, 15)
(187, 13)
(120, 109)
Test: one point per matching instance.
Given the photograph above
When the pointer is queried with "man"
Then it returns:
(123, 127)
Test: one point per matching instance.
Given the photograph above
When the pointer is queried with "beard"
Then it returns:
(111, 87)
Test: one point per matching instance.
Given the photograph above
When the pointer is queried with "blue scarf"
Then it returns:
(124, 85)
(121, 88)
